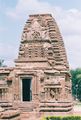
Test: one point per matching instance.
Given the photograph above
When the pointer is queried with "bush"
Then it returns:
(72, 118)
(63, 118)
(53, 118)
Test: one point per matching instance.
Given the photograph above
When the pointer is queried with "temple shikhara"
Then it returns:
(39, 84)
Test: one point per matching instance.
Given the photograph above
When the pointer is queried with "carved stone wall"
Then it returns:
(41, 59)
(41, 38)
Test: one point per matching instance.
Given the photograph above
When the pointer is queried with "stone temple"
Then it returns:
(39, 84)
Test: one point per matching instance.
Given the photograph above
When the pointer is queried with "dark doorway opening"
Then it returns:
(26, 89)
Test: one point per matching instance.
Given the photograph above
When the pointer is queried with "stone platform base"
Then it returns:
(10, 115)
(40, 115)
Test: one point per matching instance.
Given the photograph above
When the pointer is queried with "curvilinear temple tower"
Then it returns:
(40, 81)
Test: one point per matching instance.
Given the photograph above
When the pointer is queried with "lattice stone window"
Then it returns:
(39, 52)
(34, 51)
(42, 52)
(28, 52)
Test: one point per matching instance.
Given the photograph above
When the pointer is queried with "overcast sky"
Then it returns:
(14, 13)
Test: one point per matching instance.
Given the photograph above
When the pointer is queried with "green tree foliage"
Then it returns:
(63, 118)
(76, 83)
(2, 63)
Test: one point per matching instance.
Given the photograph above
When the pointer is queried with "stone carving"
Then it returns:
(36, 35)
(35, 32)
(55, 93)
(38, 82)
(52, 94)
(16, 97)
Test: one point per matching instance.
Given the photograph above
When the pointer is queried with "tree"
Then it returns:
(76, 83)
(1, 63)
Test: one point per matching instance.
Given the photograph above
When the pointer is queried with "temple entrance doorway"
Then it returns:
(26, 89)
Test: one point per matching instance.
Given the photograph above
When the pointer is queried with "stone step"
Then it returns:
(26, 109)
